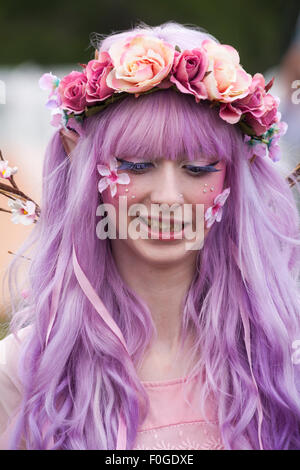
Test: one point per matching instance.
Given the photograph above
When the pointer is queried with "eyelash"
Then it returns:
(198, 170)
(136, 167)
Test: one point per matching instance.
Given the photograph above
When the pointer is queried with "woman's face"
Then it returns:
(182, 185)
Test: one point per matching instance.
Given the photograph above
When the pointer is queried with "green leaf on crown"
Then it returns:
(246, 129)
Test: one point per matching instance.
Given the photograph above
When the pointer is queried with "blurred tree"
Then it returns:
(58, 31)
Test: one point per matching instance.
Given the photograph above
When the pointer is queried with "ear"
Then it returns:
(69, 139)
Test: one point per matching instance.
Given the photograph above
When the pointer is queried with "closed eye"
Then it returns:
(199, 169)
(135, 167)
(140, 167)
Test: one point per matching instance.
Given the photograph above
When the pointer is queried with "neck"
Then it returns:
(161, 287)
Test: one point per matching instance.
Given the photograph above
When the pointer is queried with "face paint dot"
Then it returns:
(205, 190)
(133, 197)
(205, 184)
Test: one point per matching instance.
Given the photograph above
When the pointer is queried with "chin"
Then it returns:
(157, 252)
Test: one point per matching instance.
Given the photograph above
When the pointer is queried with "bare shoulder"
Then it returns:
(10, 346)
(11, 390)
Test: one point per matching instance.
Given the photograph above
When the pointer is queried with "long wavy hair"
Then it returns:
(75, 386)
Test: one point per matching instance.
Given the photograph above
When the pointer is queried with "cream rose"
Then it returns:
(140, 63)
(227, 80)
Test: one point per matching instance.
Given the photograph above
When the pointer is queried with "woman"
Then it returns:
(144, 341)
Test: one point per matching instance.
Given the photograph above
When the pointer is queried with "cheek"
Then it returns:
(134, 192)
(210, 187)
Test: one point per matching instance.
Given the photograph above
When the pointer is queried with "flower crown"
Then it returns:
(142, 64)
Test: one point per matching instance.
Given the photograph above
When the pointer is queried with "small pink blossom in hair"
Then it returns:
(215, 212)
(274, 148)
(140, 63)
(111, 177)
(189, 68)
(22, 212)
(5, 170)
(262, 124)
(259, 148)
(96, 72)
(72, 91)
(268, 143)
(50, 82)
(228, 80)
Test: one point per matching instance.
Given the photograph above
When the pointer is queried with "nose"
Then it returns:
(166, 187)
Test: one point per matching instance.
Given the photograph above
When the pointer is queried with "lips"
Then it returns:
(170, 225)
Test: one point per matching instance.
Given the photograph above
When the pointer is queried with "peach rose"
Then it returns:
(227, 81)
(140, 63)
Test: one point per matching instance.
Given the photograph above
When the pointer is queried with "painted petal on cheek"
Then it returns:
(209, 217)
(103, 183)
(103, 170)
(215, 212)
(210, 222)
(221, 198)
(208, 213)
(219, 214)
(123, 178)
(113, 189)
(113, 164)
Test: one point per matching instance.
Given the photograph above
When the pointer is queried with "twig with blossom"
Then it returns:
(4, 210)
(11, 177)
(8, 192)
(21, 256)
(294, 176)
(20, 202)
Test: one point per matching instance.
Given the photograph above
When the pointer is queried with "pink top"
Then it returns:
(174, 420)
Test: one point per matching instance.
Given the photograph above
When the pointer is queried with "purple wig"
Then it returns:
(75, 386)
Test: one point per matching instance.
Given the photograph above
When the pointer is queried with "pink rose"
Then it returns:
(262, 124)
(96, 72)
(188, 70)
(227, 81)
(260, 109)
(140, 63)
(72, 90)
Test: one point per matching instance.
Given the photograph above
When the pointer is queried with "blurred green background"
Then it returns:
(57, 32)
(38, 37)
